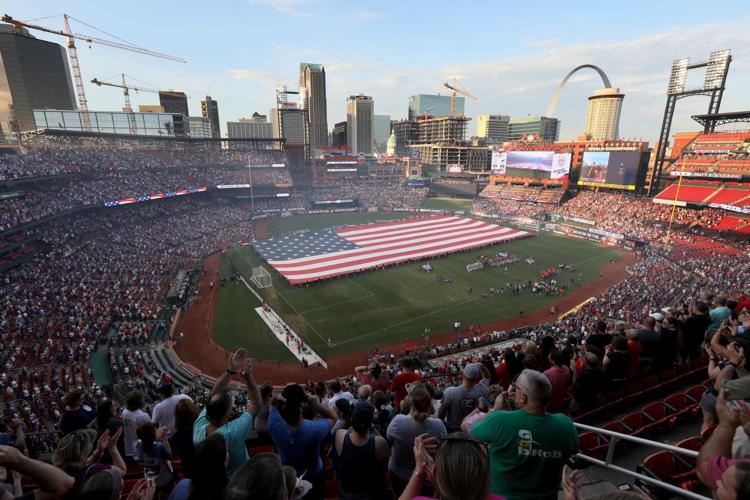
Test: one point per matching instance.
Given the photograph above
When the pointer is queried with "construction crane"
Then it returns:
(456, 89)
(126, 94)
(75, 65)
(125, 90)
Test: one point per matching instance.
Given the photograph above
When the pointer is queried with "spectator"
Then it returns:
(132, 418)
(649, 338)
(215, 416)
(343, 411)
(51, 481)
(383, 412)
(210, 477)
(105, 484)
(560, 377)
(402, 431)
(668, 345)
(694, 329)
(297, 438)
(728, 478)
(163, 414)
(364, 395)
(76, 414)
(459, 401)
(460, 470)
(260, 478)
(361, 458)
(398, 385)
(261, 419)
(79, 458)
(153, 452)
(599, 338)
(181, 441)
(528, 446)
(616, 362)
(589, 383)
(509, 368)
(634, 349)
(106, 420)
(719, 313)
(337, 393)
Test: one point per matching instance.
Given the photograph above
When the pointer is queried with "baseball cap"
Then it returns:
(362, 416)
(471, 372)
(165, 389)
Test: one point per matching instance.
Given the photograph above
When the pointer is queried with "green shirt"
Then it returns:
(527, 451)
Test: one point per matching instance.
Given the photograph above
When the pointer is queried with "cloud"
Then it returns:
(290, 7)
(524, 84)
(269, 78)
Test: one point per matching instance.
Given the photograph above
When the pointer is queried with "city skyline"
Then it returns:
(514, 74)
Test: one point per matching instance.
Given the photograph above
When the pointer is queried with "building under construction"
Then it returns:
(439, 142)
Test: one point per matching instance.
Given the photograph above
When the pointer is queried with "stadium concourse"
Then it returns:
(93, 242)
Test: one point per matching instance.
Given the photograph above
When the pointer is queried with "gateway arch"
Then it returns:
(553, 102)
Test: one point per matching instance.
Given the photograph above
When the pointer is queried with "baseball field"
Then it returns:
(387, 306)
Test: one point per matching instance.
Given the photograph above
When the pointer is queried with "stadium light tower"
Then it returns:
(714, 82)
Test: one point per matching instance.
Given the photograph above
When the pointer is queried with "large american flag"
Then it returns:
(307, 257)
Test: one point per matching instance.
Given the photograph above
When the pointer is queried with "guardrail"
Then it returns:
(614, 437)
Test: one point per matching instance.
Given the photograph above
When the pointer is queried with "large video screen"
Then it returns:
(611, 169)
(538, 164)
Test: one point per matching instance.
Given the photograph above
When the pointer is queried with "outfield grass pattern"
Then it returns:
(386, 306)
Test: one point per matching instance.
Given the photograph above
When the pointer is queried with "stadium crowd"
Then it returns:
(422, 420)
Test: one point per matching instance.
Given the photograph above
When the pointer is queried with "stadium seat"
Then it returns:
(695, 393)
(678, 404)
(635, 422)
(332, 489)
(660, 417)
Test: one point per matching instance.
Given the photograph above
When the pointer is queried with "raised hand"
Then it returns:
(247, 368)
(236, 359)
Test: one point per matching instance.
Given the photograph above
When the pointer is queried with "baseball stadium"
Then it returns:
(198, 316)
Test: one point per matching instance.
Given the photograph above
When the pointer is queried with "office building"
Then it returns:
(174, 102)
(113, 122)
(210, 111)
(312, 78)
(435, 105)
(603, 114)
(381, 130)
(493, 128)
(199, 127)
(256, 127)
(359, 123)
(338, 137)
(33, 75)
(538, 126)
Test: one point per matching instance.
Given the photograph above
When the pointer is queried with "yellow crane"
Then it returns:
(457, 89)
(75, 65)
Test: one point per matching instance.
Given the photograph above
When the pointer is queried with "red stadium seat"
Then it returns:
(678, 404)
(695, 393)
(332, 489)
(635, 422)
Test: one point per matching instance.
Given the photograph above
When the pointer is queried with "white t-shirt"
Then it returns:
(163, 414)
(130, 422)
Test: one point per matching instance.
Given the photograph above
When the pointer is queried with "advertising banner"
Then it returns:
(499, 159)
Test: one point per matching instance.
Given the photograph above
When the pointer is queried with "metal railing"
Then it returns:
(614, 437)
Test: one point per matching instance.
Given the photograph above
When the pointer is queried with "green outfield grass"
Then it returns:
(447, 203)
(386, 306)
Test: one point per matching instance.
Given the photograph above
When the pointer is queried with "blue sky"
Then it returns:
(511, 55)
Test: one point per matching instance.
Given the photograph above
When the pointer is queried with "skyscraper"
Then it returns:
(174, 102)
(603, 114)
(539, 126)
(381, 130)
(435, 105)
(494, 128)
(359, 112)
(312, 77)
(256, 127)
(210, 110)
(34, 74)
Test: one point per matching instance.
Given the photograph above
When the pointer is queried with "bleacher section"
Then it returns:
(721, 154)
(522, 193)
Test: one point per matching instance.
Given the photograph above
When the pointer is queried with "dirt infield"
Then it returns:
(199, 349)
